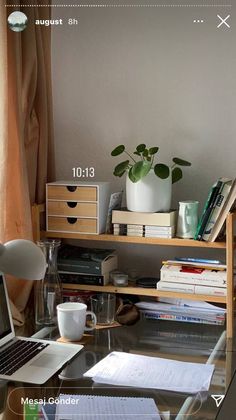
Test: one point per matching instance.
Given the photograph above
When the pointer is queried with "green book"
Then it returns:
(207, 209)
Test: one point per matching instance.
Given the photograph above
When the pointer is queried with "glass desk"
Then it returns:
(178, 341)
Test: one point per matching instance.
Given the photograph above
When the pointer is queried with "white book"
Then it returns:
(169, 270)
(166, 307)
(135, 227)
(169, 229)
(139, 234)
(197, 304)
(191, 288)
(215, 291)
(175, 287)
(210, 277)
(158, 235)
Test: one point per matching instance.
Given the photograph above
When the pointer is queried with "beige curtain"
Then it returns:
(27, 158)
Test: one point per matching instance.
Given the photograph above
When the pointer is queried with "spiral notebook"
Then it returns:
(93, 407)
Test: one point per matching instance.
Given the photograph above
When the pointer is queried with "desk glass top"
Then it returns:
(172, 340)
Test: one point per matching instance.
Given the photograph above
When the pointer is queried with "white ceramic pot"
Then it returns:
(150, 194)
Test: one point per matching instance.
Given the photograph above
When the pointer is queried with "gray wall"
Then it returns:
(133, 75)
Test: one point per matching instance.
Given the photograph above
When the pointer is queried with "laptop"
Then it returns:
(28, 359)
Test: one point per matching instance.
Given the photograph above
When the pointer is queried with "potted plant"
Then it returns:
(148, 184)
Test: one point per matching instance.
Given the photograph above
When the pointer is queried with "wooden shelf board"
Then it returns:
(135, 240)
(132, 290)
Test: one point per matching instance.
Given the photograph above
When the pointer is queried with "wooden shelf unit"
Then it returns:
(228, 246)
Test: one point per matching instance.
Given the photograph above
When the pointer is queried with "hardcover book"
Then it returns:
(191, 288)
(86, 260)
(228, 205)
(138, 218)
(218, 206)
(209, 205)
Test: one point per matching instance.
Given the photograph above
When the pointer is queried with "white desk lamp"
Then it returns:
(22, 258)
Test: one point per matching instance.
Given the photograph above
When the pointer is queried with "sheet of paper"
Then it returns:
(92, 407)
(125, 369)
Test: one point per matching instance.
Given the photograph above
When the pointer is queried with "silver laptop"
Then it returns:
(28, 359)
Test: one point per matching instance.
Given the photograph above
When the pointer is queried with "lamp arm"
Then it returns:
(2, 248)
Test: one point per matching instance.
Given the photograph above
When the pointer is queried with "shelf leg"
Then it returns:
(230, 275)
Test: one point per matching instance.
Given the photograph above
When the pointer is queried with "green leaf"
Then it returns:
(153, 150)
(145, 153)
(161, 170)
(140, 148)
(137, 153)
(177, 174)
(140, 169)
(118, 150)
(121, 168)
(131, 176)
(181, 162)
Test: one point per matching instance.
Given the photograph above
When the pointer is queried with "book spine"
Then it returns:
(175, 287)
(89, 267)
(191, 289)
(196, 282)
(196, 279)
(159, 229)
(181, 318)
(207, 209)
(81, 279)
(229, 203)
(214, 291)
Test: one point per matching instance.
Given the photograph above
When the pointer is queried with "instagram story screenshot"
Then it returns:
(117, 210)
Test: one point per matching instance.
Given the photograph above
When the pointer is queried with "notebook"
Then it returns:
(93, 407)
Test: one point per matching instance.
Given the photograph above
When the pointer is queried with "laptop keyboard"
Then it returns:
(17, 354)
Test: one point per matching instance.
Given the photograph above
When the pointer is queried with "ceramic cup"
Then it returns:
(187, 219)
(71, 317)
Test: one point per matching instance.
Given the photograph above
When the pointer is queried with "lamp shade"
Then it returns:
(22, 258)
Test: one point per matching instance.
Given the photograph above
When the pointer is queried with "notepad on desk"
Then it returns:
(125, 369)
(93, 407)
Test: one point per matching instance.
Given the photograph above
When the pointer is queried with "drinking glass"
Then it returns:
(104, 306)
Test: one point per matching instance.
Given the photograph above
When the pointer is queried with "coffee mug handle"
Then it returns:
(94, 320)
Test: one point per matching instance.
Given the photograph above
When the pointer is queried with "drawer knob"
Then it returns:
(71, 220)
(71, 204)
(71, 188)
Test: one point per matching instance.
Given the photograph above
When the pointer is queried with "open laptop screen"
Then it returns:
(5, 325)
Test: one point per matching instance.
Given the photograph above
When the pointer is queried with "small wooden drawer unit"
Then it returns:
(77, 207)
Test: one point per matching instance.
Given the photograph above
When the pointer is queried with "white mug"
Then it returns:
(71, 318)
(187, 219)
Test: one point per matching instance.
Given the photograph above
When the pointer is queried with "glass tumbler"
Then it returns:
(104, 306)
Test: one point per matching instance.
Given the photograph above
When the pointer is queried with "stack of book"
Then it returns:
(193, 277)
(81, 265)
(203, 313)
(150, 225)
(220, 200)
